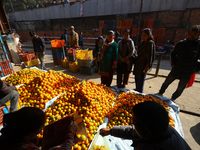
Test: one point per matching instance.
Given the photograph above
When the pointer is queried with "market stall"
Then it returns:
(59, 95)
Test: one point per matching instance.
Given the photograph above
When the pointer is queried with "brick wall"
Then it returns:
(175, 22)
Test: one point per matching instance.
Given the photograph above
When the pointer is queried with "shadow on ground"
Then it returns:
(195, 131)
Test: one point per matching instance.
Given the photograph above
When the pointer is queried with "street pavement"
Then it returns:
(189, 100)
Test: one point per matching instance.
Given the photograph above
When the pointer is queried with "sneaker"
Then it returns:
(159, 94)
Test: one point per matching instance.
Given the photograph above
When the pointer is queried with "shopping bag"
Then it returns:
(191, 81)
(99, 143)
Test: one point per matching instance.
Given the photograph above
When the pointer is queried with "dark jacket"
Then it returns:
(64, 37)
(39, 44)
(146, 55)
(5, 89)
(171, 140)
(184, 56)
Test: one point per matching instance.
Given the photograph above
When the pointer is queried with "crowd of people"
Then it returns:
(150, 122)
(185, 59)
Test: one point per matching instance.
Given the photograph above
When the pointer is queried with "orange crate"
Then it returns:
(145, 23)
(58, 43)
(161, 32)
(159, 40)
(134, 32)
(2, 113)
(150, 23)
(122, 30)
(155, 32)
(100, 31)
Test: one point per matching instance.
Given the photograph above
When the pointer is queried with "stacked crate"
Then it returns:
(86, 62)
(5, 65)
(58, 51)
(30, 59)
(5, 68)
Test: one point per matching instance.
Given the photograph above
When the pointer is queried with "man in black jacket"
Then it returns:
(150, 129)
(184, 62)
(39, 47)
(8, 92)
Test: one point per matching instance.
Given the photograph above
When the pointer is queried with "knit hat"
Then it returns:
(32, 33)
(72, 28)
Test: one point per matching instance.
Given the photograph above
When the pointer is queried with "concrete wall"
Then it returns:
(102, 8)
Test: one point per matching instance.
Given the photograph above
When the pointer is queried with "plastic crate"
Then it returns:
(100, 31)
(57, 50)
(71, 57)
(155, 32)
(72, 51)
(118, 17)
(161, 32)
(58, 43)
(58, 61)
(84, 55)
(28, 56)
(5, 65)
(86, 63)
(123, 30)
(119, 23)
(112, 24)
(88, 71)
(150, 23)
(145, 23)
(6, 72)
(156, 23)
(58, 55)
(124, 17)
(3, 56)
(134, 32)
(3, 111)
(159, 40)
(73, 68)
(31, 63)
(101, 23)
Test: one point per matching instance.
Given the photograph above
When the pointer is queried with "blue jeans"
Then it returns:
(181, 85)
(13, 96)
(139, 81)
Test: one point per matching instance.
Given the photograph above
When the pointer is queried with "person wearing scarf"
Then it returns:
(145, 59)
(108, 58)
(124, 65)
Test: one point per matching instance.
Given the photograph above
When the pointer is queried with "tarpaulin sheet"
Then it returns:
(122, 144)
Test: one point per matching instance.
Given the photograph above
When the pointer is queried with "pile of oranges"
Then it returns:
(121, 114)
(23, 76)
(90, 100)
(44, 87)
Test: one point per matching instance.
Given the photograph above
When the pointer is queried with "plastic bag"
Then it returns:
(99, 143)
(191, 81)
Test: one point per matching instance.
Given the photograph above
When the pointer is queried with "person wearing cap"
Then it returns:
(15, 33)
(39, 47)
(64, 37)
(8, 92)
(72, 39)
(145, 59)
(108, 59)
